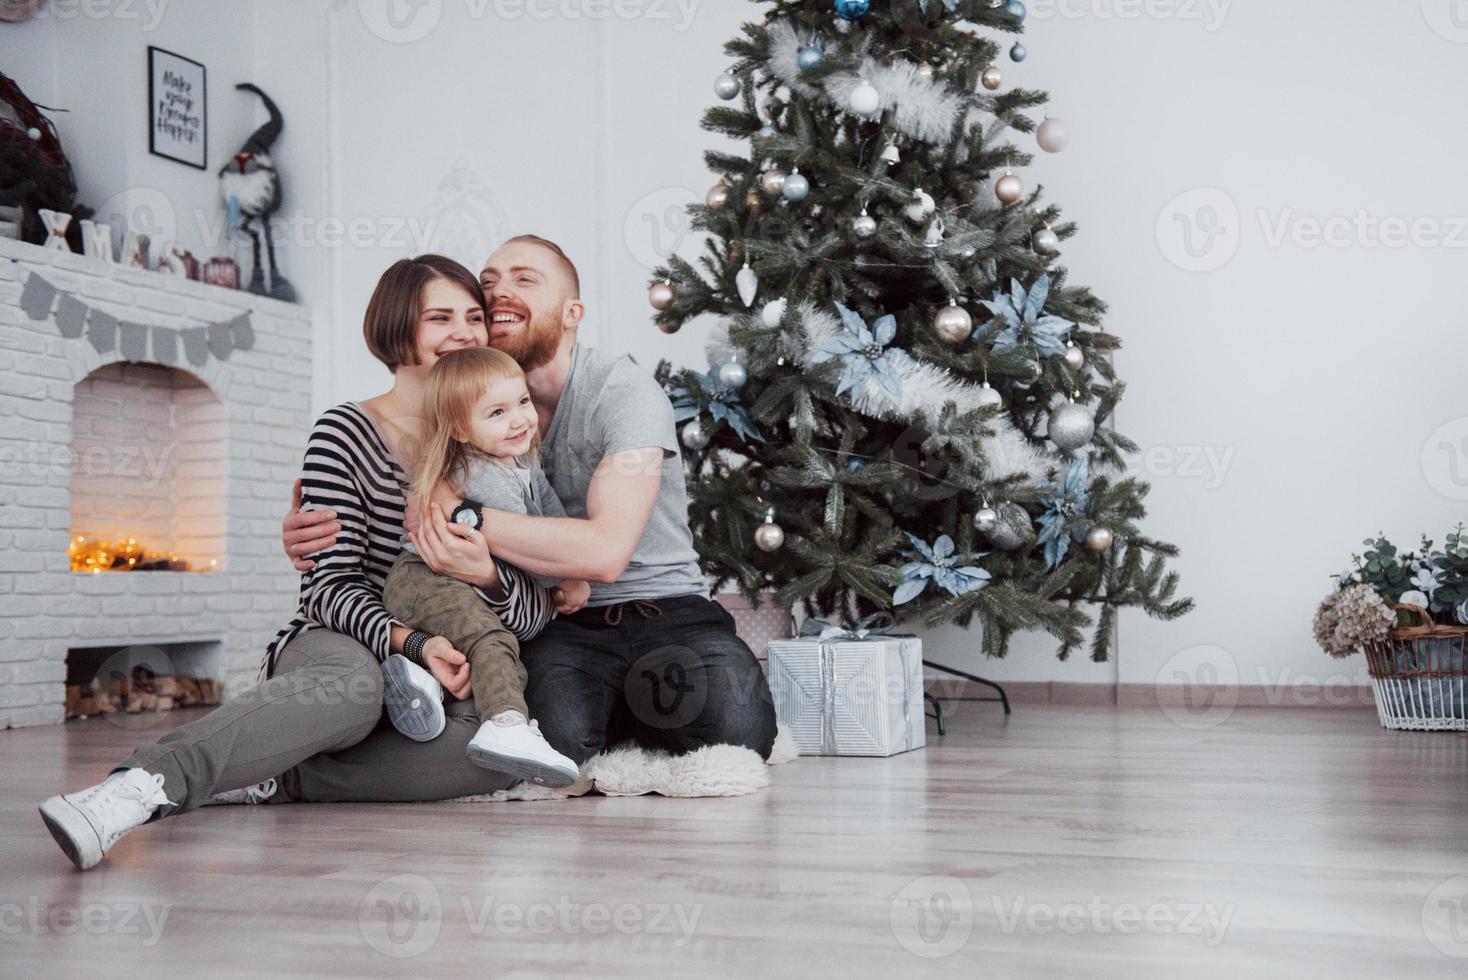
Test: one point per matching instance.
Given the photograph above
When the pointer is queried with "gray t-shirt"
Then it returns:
(610, 405)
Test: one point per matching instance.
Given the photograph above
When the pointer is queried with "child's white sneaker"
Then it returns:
(413, 698)
(87, 824)
(519, 749)
(245, 795)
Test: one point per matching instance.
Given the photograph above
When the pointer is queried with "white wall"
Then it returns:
(1315, 375)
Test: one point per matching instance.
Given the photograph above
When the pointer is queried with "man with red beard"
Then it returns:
(650, 658)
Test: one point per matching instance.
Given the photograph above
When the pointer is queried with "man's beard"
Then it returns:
(535, 345)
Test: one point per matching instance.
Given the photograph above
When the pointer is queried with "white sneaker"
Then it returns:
(413, 698)
(521, 750)
(258, 793)
(87, 824)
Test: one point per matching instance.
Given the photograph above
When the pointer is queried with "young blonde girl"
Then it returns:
(482, 448)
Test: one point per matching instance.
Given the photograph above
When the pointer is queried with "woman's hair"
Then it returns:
(454, 386)
(391, 322)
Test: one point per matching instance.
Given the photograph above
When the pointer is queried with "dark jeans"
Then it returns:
(664, 673)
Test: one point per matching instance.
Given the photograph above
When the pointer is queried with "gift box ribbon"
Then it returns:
(827, 636)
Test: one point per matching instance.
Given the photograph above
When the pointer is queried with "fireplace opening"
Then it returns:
(142, 679)
(148, 472)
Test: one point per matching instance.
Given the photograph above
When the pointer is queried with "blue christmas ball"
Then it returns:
(796, 187)
(1018, 52)
(1015, 10)
(852, 9)
(809, 57)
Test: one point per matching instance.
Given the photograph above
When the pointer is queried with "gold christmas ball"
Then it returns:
(1009, 189)
(753, 201)
(661, 295)
(992, 78)
(718, 196)
(1099, 538)
(953, 324)
(772, 182)
(669, 326)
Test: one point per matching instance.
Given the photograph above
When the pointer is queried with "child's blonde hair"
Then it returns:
(455, 384)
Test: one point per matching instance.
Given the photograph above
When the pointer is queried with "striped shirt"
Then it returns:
(349, 469)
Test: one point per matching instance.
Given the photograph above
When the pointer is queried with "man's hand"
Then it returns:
(454, 550)
(448, 666)
(577, 591)
(303, 533)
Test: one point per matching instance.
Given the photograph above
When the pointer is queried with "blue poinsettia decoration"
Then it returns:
(1025, 319)
(1066, 500)
(724, 406)
(938, 565)
(865, 361)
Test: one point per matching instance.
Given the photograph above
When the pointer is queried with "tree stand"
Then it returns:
(937, 714)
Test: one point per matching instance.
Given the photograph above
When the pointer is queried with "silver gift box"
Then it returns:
(844, 696)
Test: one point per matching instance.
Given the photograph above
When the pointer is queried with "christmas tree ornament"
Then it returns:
(809, 57)
(1052, 135)
(718, 196)
(769, 536)
(953, 324)
(852, 9)
(1046, 242)
(992, 78)
(796, 187)
(864, 225)
(989, 396)
(1015, 11)
(864, 100)
(661, 295)
(773, 313)
(753, 202)
(1012, 528)
(1008, 189)
(726, 86)
(732, 375)
(921, 208)
(1075, 358)
(924, 71)
(747, 282)
(1018, 53)
(695, 436)
(669, 327)
(891, 156)
(772, 182)
(985, 518)
(1071, 426)
(1099, 538)
(934, 237)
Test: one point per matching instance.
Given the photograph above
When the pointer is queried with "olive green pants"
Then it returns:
(418, 596)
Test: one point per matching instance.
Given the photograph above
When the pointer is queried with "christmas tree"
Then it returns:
(906, 403)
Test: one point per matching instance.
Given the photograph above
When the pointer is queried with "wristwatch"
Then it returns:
(469, 513)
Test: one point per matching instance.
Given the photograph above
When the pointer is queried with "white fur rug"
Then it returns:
(630, 770)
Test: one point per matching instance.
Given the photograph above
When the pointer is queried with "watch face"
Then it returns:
(466, 515)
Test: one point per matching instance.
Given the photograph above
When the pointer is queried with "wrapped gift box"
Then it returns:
(758, 627)
(849, 693)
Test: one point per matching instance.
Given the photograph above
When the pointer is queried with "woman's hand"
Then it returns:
(303, 533)
(448, 666)
(454, 550)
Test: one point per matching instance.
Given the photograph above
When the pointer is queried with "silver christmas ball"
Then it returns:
(1008, 188)
(726, 86)
(985, 518)
(796, 187)
(1052, 135)
(773, 312)
(694, 436)
(733, 374)
(1075, 358)
(772, 182)
(1018, 53)
(864, 100)
(1071, 426)
(769, 536)
(992, 78)
(924, 71)
(921, 207)
(1012, 528)
(864, 225)
(33, 133)
(809, 57)
(718, 196)
(661, 295)
(989, 396)
(953, 324)
(1099, 538)
(1046, 242)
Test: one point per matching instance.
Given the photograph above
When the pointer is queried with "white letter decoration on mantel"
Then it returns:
(56, 223)
(97, 240)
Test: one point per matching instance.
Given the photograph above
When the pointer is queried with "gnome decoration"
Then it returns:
(34, 172)
(250, 187)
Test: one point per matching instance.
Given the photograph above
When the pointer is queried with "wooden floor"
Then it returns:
(1067, 842)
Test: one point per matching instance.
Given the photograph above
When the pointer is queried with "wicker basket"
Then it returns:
(1419, 676)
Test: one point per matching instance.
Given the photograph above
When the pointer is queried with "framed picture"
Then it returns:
(178, 108)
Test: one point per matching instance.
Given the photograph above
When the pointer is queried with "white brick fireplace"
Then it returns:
(137, 405)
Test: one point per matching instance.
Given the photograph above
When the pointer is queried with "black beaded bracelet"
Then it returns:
(414, 644)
